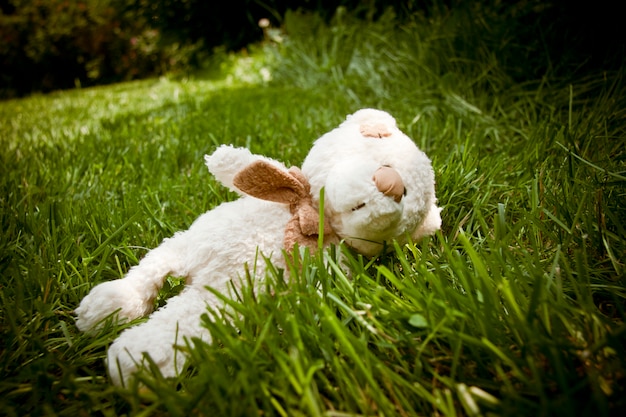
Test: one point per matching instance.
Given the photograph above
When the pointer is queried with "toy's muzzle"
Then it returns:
(389, 182)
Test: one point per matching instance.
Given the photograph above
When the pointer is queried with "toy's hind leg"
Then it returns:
(133, 295)
(171, 325)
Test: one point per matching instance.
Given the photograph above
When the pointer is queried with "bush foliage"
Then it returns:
(56, 44)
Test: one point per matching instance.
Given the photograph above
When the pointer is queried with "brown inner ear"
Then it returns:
(263, 180)
(268, 182)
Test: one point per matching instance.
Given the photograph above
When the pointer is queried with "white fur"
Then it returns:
(214, 250)
(344, 161)
(222, 243)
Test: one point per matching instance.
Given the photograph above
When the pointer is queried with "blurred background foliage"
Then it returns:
(55, 44)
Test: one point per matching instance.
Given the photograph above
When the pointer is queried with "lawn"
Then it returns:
(515, 308)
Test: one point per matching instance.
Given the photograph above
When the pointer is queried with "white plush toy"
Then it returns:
(378, 186)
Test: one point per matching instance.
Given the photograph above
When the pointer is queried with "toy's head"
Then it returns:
(377, 184)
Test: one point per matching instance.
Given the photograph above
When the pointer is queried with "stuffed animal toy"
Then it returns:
(378, 186)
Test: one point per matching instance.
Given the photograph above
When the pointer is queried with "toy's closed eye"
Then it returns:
(358, 207)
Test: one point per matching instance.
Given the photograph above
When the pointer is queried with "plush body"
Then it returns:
(379, 186)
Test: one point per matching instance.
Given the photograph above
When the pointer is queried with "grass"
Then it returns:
(515, 308)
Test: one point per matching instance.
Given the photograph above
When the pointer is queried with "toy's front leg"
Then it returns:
(132, 296)
(430, 224)
(170, 326)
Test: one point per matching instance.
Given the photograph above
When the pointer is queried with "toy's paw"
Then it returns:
(378, 130)
(127, 355)
(430, 225)
(107, 298)
(372, 123)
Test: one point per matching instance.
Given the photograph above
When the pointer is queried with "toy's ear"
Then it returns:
(263, 180)
(227, 161)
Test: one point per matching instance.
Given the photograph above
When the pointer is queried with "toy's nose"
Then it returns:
(389, 182)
